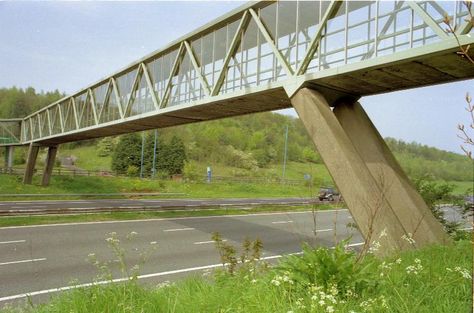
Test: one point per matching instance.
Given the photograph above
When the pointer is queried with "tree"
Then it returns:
(176, 156)
(127, 153)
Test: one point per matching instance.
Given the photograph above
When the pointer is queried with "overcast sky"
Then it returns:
(68, 45)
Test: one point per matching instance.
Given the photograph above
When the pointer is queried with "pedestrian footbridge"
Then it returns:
(319, 57)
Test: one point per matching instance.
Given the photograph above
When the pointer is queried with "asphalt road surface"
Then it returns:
(44, 260)
(92, 205)
(35, 259)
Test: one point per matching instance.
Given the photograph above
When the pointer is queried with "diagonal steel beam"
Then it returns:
(31, 128)
(174, 69)
(134, 88)
(8, 131)
(40, 125)
(106, 99)
(94, 108)
(383, 31)
(428, 19)
(61, 118)
(313, 46)
(196, 65)
(74, 111)
(271, 42)
(149, 82)
(233, 46)
(117, 97)
(48, 115)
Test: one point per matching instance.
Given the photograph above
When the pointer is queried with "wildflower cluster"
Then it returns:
(320, 300)
(372, 303)
(464, 272)
(279, 280)
(415, 268)
(409, 238)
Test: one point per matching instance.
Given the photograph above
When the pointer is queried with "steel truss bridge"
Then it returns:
(272, 55)
(241, 63)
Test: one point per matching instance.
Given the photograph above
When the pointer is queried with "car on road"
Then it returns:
(328, 194)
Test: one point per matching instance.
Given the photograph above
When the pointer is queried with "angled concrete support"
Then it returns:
(49, 165)
(365, 195)
(406, 202)
(9, 155)
(30, 163)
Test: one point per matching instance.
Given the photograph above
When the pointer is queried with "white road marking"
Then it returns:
(282, 222)
(105, 282)
(356, 244)
(323, 230)
(29, 207)
(12, 241)
(206, 242)
(23, 261)
(178, 229)
(170, 219)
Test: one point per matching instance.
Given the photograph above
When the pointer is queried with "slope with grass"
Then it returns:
(434, 279)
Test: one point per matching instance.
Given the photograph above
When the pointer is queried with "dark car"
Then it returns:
(328, 194)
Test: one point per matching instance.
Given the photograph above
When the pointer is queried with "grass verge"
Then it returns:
(102, 185)
(433, 279)
(123, 216)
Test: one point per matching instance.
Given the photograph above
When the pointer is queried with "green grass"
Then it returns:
(87, 158)
(462, 187)
(434, 289)
(98, 185)
(120, 216)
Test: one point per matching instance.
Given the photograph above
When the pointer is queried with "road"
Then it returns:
(37, 260)
(93, 205)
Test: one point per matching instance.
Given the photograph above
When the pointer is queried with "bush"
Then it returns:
(191, 172)
(329, 267)
(132, 171)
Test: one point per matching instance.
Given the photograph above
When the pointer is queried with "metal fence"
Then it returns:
(215, 179)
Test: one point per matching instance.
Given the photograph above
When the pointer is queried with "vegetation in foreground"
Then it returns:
(433, 279)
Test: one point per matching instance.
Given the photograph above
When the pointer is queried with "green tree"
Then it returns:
(127, 153)
(176, 156)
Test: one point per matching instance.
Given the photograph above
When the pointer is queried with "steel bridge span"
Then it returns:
(319, 57)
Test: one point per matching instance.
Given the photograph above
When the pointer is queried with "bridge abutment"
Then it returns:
(49, 165)
(378, 194)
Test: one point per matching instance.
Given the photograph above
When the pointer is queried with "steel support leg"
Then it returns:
(377, 219)
(30, 163)
(49, 165)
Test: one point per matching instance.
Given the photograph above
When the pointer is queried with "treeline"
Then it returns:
(247, 142)
(160, 157)
(258, 140)
(18, 103)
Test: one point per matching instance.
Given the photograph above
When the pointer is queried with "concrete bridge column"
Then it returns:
(30, 163)
(9, 155)
(406, 202)
(371, 200)
(49, 165)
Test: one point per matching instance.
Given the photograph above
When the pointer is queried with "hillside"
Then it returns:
(251, 145)
(254, 146)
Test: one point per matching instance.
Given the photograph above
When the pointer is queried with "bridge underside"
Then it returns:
(443, 67)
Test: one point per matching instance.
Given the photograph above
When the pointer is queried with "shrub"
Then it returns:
(327, 267)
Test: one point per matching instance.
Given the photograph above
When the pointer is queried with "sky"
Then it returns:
(69, 45)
